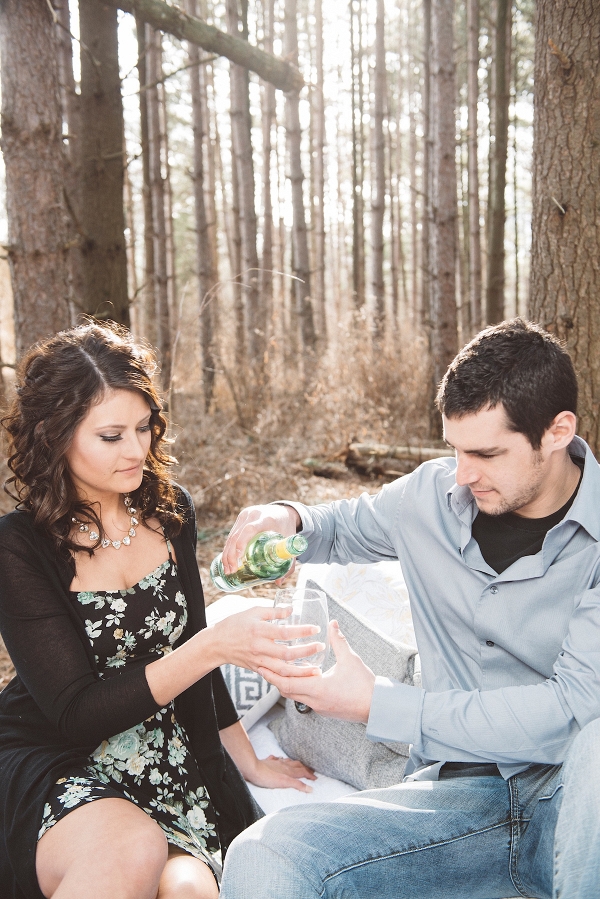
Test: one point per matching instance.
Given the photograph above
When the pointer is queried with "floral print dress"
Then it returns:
(150, 764)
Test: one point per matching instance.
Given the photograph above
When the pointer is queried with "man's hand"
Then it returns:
(345, 691)
(250, 522)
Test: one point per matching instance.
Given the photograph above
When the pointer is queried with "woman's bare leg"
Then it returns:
(106, 848)
(186, 877)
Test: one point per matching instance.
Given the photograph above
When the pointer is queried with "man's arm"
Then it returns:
(357, 530)
(512, 726)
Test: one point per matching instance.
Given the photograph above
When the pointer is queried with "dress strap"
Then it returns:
(170, 548)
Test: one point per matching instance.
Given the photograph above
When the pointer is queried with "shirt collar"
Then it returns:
(584, 511)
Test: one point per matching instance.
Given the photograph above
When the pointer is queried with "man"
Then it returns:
(500, 551)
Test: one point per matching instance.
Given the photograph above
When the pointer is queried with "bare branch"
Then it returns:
(173, 20)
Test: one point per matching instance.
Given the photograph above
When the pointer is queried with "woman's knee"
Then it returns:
(110, 843)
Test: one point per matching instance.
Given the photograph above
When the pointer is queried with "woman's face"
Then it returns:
(110, 445)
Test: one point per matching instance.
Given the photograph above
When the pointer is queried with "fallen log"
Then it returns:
(323, 468)
(384, 462)
(415, 454)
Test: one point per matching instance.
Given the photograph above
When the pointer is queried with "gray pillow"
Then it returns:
(341, 749)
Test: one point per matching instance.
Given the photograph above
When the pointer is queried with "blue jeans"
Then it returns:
(457, 838)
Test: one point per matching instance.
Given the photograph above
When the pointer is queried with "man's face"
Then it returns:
(503, 471)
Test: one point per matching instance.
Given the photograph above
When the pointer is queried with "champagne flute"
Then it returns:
(308, 607)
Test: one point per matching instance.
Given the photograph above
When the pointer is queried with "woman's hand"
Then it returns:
(271, 772)
(250, 639)
(282, 519)
(345, 691)
(280, 773)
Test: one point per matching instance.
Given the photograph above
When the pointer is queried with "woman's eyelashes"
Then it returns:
(112, 438)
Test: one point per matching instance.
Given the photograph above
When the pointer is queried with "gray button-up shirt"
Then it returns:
(510, 662)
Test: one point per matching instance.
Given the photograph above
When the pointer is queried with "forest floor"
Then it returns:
(225, 469)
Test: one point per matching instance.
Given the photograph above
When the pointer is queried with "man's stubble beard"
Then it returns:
(525, 498)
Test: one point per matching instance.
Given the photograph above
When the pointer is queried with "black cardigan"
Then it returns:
(57, 709)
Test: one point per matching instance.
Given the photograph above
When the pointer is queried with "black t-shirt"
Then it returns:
(505, 538)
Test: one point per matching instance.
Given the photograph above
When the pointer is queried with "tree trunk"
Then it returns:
(206, 276)
(301, 261)
(241, 136)
(358, 228)
(169, 226)
(414, 304)
(211, 147)
(426, 210)
(268, 118)
(35, 170)
(71, 111)
(146, 323)
(318, 204)
(498, 155)
(169, 18)
(565, 275)
(157, 188)
(473, 164)
(443, 235)
(102, 141)
(378, 184)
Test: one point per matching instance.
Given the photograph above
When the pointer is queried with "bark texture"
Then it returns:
(35, 170)
(318, 179)
(162, 317)
(300, 256)
(102, 165)
(474, 243)
(444, 202)
(146, 322)
(378, 187)
(565, 263)
(206, 274)
(501, 69)
(243, 160)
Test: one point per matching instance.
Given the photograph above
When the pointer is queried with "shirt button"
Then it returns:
(489, 642)
(493, 589)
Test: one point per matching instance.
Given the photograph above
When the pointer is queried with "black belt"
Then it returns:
(468, 769)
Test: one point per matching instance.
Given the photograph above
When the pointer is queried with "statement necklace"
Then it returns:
(106, 541)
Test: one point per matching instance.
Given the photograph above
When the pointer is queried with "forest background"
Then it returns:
(306, 208)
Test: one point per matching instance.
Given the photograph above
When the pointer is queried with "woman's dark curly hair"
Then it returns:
(58, 381)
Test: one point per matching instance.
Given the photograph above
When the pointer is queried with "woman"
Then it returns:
(118, 695)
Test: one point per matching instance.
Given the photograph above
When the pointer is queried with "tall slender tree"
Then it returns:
(102, 164)
(206, 275)
(147, 307)
(443, 233)
(300, 256)
(357, 102)
(318, 165)
(35, 170)
(473, 163)
(162, 316)
(268, 119)
(501, 72)
(378, 184)
(241, 135)
(71, 108)
(426, 189)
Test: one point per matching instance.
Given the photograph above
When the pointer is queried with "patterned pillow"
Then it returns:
(252, 695)
(376, 591)
(341, 749)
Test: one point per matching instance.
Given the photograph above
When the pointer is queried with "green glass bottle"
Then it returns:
(268, 557)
